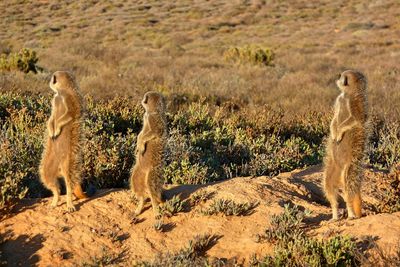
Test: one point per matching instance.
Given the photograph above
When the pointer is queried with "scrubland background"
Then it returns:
(229, 115)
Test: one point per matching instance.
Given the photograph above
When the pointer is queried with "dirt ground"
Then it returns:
(103, 225)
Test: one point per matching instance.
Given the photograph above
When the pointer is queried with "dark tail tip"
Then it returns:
(163, 196)
(90, 190)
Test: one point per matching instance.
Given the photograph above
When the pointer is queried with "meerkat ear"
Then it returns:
(145, 99)
(345, 83)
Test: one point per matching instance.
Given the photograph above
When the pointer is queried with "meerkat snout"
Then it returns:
(345, 80)
(145, 99)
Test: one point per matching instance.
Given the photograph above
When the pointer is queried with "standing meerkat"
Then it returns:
(62, 153)
(346, 144)
(147, 173)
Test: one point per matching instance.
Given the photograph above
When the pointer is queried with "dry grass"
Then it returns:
(119, 48)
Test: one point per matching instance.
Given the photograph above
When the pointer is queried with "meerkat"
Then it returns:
(346, 144)
(62, 154)
(147, 173)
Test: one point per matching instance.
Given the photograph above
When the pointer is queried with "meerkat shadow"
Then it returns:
(185, 191)
(14, 255)
(98, 194)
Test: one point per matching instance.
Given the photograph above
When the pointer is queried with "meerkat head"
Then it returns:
(153, 102)
(62, 80)
(351, 82)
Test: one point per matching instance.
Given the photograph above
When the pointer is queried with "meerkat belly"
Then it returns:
(58, 107)
(63, 143)
(350, 148)
(153, 155)
(343, 151)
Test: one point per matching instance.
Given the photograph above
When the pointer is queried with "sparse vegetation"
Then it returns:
(390, 196)
(294, 248)
(229, 208)
(192, 255)
(206, 143)
(173, 206)
(106, 258)
(200, 196)
(383, 257)
(158, 225)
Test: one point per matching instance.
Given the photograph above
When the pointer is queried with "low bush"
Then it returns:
(24, 60)
(206, 143)
(229, 208)
(294, 248)
(192, 255)
(173, 206)
(250, 54)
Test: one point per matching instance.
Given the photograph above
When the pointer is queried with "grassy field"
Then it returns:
(118, 48)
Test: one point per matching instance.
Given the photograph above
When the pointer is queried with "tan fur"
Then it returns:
(346, 144)
(62, 153)
(147, 173)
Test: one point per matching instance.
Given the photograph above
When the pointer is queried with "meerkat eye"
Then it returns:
(54, 79)
(345, 82)
(145, 99)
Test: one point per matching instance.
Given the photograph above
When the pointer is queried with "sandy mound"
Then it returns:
(103, 225)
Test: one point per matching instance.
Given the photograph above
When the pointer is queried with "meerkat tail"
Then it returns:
(357, 203)
(163, 196)
(78, 192)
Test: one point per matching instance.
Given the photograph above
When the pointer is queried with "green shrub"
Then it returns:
(384, 145)
(390, 198)
(294, 248)
(20, 142)
(206, 143)
(106, 258)
(250, 54)
(200, 196)
(192, 255)
(25, 60)
(229, 208)
(173, 206)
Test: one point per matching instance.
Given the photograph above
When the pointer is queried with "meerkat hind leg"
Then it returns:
(154, 190)
(349, 204)
(55, 189)
(68, 186)
(332, 196)
(331, 190)
(70, 205)
(140, 205)
(349, 197)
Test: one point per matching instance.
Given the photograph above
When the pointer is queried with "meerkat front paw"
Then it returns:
(339, 137)
(142, 149)
(57, 132)
(333, 135)
(50, 130)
